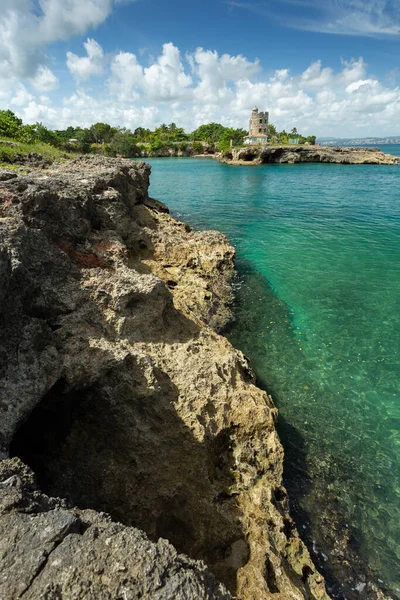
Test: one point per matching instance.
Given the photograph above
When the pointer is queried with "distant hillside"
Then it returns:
(330, 141)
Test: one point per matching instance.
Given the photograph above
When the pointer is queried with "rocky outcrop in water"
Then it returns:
(120, 395)
(302, 154)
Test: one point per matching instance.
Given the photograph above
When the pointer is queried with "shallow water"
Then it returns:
(318, 313)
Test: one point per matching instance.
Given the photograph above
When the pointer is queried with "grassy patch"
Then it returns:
(9, 166)
(8, 153)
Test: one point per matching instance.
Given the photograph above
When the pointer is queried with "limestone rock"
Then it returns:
(123, 399)
(309, 153)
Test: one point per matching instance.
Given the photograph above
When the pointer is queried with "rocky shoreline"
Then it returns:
(141, 423)
(344, 155)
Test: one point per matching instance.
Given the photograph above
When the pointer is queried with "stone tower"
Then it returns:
(258, 122)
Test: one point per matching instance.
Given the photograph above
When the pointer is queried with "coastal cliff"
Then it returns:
(307, 153)
(141, 423)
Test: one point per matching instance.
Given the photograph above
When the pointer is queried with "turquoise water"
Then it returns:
(388, 148)
(318, 313)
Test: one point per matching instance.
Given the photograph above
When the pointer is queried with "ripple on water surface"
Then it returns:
(319, 315)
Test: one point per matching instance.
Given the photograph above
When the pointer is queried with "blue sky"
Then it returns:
(330, 70)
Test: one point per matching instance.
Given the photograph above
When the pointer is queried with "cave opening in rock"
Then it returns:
(39, 438)
(117, 447)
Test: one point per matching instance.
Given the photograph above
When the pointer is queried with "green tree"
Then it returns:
(273, 132)
(162, 131)
(234, 136)
(84, 139)
(46, 135)
(156, 145)
(198, 148)
(64, 135)
(177, 134)
(123, 144)
(283, 137)
(142, 135)
(27, 134)
(210, 133)
(9, 123)
(101, 133)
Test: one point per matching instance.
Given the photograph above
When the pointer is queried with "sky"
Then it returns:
(328, 68)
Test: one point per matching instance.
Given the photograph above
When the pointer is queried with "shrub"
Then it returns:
(198, 148)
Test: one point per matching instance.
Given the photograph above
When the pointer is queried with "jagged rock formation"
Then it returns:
(50, 551)
(120, 395)
(302, 154)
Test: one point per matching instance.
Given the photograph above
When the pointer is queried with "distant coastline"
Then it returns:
(367, 141)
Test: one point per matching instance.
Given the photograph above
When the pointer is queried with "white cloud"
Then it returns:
(315, 76)
(21, 96)
(216, 72)
(353, 70)
(28, 26)
(35, 112)
(126, 76)
(355, 85)
(367, 18)
(166, 80)
(208, 87)
(86, 66)
(63, 18)
(44, 79)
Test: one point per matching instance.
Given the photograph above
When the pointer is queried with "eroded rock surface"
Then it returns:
(309, 153)
(120, 395)
(50, 551)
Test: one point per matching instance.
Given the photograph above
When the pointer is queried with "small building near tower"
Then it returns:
(258, 128)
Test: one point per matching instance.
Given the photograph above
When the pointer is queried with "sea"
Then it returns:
(318, 314)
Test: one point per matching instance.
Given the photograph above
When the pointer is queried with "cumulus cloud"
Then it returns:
(84, 67)
(206, 86)
(21, 96)
(163, 81)
(63, 18)
(44, 79)
(28, 26)
(35, 112)
(126, 76)
(216, 72)
(166, 78)
(316, 76)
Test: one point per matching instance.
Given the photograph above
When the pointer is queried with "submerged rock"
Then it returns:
(120, 395)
